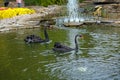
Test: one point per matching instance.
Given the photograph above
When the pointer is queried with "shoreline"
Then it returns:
(24, 21)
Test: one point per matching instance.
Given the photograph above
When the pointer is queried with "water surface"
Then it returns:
(98, 57)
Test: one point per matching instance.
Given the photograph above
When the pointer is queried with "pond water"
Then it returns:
(98, 57)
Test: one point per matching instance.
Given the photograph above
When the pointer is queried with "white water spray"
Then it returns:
(73, 11)
(73, 15)
(72, 7)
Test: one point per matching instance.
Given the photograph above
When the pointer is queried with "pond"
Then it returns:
(98, 57)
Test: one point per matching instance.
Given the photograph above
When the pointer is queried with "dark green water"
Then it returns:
(98, 57)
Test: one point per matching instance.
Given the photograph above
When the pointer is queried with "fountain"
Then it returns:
(73, 11)
(74, 18)
(73, 15)
(73, 7)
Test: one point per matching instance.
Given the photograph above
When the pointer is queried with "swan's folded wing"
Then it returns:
(62, 50)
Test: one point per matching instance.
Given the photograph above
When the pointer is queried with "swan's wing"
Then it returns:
(62, 50)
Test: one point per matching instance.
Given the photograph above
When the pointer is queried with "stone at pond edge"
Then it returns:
(72, 24)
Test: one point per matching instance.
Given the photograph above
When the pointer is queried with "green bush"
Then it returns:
(45, 2)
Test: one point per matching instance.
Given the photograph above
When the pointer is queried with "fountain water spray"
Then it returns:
(73, 16)
(72, 7)
(73, 11)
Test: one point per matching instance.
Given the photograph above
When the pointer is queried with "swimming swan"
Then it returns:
(37, 39)
(58, 47)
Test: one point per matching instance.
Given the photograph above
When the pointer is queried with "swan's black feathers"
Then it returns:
(58, 47)
(37, 39)
(61, 48)
(33, 39)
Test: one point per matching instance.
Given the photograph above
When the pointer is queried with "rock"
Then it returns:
(90, 22)
(118, 22)
(5, 29)
(73, 24)
(25, 20)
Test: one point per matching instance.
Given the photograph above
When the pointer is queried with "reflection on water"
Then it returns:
(98, 57)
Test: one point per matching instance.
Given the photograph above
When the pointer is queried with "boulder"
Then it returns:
(73, 24)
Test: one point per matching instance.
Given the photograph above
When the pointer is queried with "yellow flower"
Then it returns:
(11, 12)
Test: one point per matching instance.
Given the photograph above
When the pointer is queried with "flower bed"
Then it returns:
(11, 12)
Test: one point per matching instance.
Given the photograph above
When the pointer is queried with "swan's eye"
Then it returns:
(81, 36)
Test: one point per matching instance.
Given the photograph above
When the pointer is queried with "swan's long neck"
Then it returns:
(76, 44)
(46, 34)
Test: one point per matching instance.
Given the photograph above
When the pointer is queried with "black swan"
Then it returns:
(58, 47)
(37, 39)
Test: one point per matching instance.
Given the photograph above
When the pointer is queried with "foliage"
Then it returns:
(46, 2)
